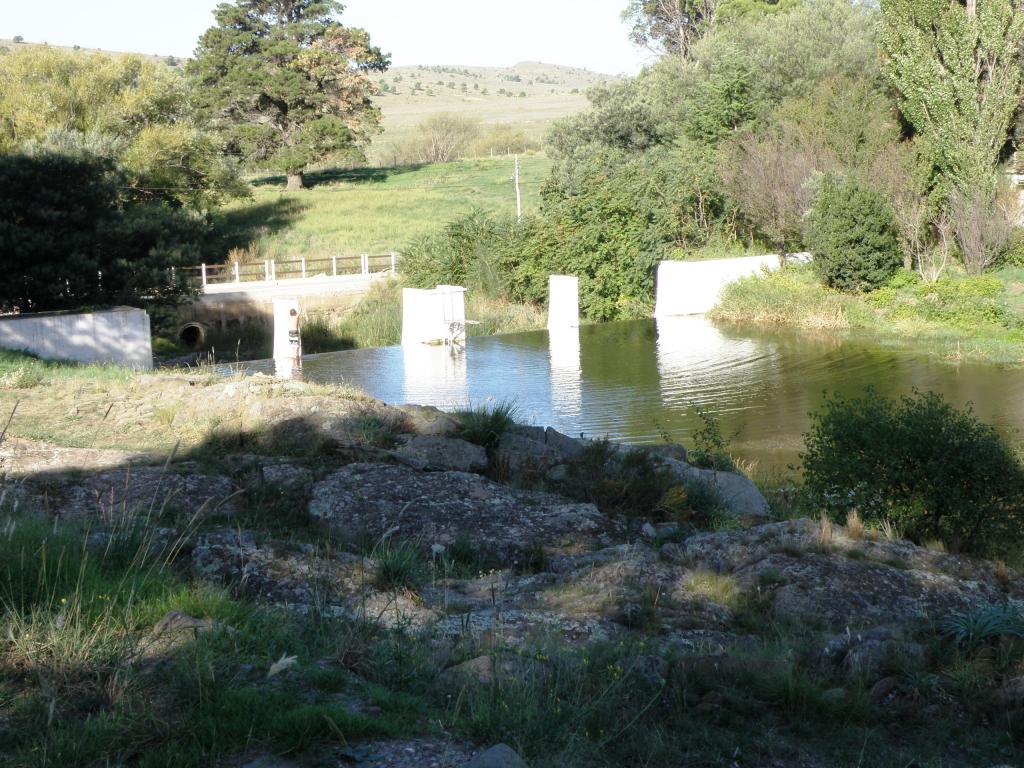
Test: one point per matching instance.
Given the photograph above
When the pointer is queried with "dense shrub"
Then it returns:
(468, 252)
(70, 238)
(937, 472)
(851, 232)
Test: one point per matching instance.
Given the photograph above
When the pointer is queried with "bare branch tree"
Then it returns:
(984, 225)
(444, 137)
(771, 177)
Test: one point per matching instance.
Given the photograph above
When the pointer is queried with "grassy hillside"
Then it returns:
(529, 95)
(377, 210)
(171, 61)
(369, 210)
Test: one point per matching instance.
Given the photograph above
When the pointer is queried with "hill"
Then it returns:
(529, 95)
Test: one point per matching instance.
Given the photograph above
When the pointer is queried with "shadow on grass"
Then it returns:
(340, 175)
(238, 227)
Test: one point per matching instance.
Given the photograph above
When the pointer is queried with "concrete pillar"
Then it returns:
(563, 301)
(436, 316)
(287, 335)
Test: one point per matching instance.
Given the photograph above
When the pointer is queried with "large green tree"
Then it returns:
(70, 236)
(956, 65)
(287, 82)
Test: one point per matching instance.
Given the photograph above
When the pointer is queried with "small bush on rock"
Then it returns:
(485, 424)
(936, 472)
(851, 232)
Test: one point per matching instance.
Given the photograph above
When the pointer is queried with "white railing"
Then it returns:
(271, 270)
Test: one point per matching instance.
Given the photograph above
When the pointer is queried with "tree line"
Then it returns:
(876, 136)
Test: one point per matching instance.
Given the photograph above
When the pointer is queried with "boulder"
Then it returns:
(738, 494)
(498, 756)
(428, 421)
(519, 455)
(287, 477)
(439, 507)
(484, 670)
(442, 454)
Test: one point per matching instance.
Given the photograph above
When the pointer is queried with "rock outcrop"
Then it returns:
(370, 500)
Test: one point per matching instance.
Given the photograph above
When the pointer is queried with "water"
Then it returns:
(637, 381)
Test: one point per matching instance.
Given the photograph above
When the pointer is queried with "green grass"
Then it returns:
(368, 210)
(485, 423)
(960, 316)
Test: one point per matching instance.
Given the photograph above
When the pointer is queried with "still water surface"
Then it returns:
(637, 381)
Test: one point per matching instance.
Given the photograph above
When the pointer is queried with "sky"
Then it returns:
(581, 33)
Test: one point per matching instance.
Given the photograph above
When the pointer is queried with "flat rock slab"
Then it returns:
(839, 581)
(442, 454)
(439, 507)
(407, 753)
(107, 496)
(21, 458)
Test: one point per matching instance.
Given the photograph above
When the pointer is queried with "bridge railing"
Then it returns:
(272, 270)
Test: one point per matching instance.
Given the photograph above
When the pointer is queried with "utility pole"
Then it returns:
(519, 196)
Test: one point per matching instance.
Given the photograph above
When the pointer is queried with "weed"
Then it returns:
(398, 565)
(484, 424)
(854, 525)
(710, 451)
(971, 629)
(825, 532)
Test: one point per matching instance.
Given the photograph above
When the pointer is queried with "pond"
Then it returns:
(638, 381)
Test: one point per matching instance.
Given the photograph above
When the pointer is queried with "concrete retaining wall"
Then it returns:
(694, 287)
(119, 336)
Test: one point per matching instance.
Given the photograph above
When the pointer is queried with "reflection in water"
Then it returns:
(566, 374)
(430, 369)
(635, 381)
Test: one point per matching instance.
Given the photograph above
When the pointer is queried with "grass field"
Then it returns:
(370, 210)
(529, 96)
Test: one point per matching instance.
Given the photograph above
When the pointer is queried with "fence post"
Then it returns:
(204, 275)
(303, 266)
(334, 265)
(365, 264)
(266, 271)
(393, 262)
(238, 276)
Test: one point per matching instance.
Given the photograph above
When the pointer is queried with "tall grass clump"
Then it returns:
(485, 423)
(397, 565)
(789, 297)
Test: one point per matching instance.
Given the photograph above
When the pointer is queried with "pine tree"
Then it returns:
(287, 82)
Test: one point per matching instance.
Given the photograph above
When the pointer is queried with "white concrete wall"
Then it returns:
(429, 315)
(563, 301)
(694, 287)
(120, 336)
